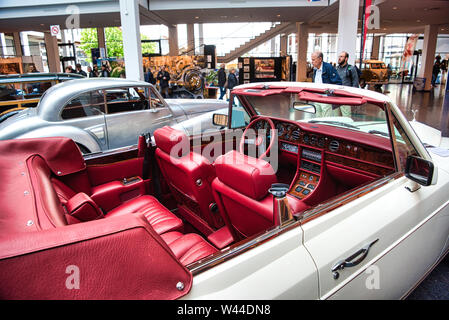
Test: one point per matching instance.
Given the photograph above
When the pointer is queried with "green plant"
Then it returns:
(114, 42)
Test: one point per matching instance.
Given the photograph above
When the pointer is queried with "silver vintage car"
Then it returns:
(103, 113)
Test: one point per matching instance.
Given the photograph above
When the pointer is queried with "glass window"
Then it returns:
(405, 147)
(85, 105)
(239, 117)
(155, 100)
(125, 100)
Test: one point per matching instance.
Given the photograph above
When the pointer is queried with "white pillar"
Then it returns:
(428, 54)
(132, 47)
(51, 46)
(348, 15)
(301, 65)
(25, 44)
(173, 40)
(3, 44)
(190, 39)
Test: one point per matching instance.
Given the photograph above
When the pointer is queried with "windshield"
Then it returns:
(368, 118)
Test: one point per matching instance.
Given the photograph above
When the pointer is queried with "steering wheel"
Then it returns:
(258, 141)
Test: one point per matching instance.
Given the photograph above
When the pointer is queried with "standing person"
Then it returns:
(222, 81)
(69, 69)
(149, 76)
(347, 73)
(349, 77)
(79, 70)
(443, 70)
(436, 70)
(163, 76)
(324, 72)
(92, 73)
(232, 79)
(104, 71)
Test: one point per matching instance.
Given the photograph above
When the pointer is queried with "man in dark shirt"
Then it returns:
(348, 73)
(79, 70)
(163, 76)
(222, 80)
(149, 76)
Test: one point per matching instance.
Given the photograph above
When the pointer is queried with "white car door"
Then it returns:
(389, 237)
(280, 268)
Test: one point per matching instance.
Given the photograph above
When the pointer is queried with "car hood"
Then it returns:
(193, 107)
(427, 134)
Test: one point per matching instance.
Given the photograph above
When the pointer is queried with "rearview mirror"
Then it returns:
(220, 120)
(304, 107)
(419, 170)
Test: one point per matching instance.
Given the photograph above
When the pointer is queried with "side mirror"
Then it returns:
(220, 120)
(419, 170)
(304, 107)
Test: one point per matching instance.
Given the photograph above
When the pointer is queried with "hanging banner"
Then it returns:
(408, 52)
(365, 25)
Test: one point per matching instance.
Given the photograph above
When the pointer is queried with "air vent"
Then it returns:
(295, 134)
(334, 145)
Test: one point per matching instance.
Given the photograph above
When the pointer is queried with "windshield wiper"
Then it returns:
(338, 123)
(379, 132)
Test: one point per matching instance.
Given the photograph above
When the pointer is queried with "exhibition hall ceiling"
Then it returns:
(394, 15)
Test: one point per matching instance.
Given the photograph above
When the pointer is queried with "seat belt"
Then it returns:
(149, 160)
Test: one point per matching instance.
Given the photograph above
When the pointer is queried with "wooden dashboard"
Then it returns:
(347, 152)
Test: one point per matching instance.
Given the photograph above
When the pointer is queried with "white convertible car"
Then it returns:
(309, 192)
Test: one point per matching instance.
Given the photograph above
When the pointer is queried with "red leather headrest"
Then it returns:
(168, 139)
(249, 176)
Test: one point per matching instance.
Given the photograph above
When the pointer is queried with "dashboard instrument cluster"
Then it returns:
(315, 150)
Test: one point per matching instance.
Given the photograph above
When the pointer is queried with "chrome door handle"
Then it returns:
(350, 262)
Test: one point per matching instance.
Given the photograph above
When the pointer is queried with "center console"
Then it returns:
(309, 172)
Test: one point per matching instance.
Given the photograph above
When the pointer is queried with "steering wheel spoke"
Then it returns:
(261, 134)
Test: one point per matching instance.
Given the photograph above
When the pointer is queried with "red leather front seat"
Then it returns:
(189, 176)
(241, 193)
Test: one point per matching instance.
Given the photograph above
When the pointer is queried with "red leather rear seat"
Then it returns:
(189, 247)
(160, 218)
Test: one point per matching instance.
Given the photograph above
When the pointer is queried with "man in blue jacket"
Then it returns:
(324, 72)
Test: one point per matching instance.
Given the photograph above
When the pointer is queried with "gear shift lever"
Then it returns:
(281, 208)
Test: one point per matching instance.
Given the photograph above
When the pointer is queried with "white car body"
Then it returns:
(412, 229)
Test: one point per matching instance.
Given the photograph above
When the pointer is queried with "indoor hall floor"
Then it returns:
(429, 105)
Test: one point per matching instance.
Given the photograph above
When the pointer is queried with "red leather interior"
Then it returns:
(189, 178)
(101, 174)
(221, 238)
(110, 195)
(247, 175)
(241, 192)
(117, 258)
(189, 247)
(81, 207)
(40, 235)
(160, 218)
(171, 141)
